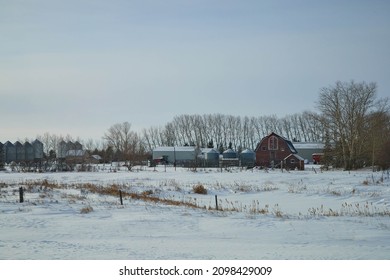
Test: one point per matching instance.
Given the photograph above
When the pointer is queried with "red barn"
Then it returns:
(273, 150)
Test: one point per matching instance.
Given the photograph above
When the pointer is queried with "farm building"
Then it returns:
(209, 157)
(20, 154)
(29, 151)
(9, 152)
(230, 158)
(63, 148)
(273, 150)
(180, 155)
(76, 156)
(248, 158)
(38, 149)
(307, 149)
(1, 155)
(294, 161)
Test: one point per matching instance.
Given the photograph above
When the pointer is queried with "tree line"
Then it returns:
(352, 122)
(222, 131)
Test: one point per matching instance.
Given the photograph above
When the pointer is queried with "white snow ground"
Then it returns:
(298, 224)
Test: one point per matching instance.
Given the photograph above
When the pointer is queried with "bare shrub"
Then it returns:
(199, 189)
(277, 212)
(86, 210)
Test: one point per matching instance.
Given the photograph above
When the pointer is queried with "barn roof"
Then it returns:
(288, 142)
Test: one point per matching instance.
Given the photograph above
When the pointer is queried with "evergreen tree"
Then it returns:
(221, 148)
(210, 145)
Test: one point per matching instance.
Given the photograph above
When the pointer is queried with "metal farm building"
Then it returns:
(179, 155)
(307, 149)
(248, 158)
(21, 153)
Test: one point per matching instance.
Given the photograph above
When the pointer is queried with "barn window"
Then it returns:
(292, 161)
(264, 148)
(273, 143)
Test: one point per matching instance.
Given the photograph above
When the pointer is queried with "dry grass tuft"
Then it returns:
(199, 189)
(86, 210)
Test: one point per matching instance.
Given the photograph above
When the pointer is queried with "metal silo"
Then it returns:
(2, 159)
(229, 154)
(61, 149)
(9, 152)
(248, 158)
(38, 149)
(229, 158)
(19, 152)
(212, 158)
(77, 146)
(28, 151)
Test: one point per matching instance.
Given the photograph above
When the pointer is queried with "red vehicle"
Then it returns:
(317, 157)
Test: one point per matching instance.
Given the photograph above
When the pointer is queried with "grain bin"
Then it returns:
(229, 154)
(29, 151)
(211, 158)
(9, 152)
(38, 149)
(229, 158)
(248, 158)
(19, 152)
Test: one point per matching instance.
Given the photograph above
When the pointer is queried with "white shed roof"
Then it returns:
(177, 149)
(308, 145)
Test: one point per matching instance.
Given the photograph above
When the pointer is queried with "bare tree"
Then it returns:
(126, 143)
(344, 108)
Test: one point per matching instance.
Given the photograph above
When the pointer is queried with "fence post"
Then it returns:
(21, 200)
(216, 202)
(120, 197)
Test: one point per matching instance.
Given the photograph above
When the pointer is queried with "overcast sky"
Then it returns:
(79, 66)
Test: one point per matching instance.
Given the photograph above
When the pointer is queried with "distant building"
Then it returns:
(247, 158)
(273, 150)
(76, 156)
(294, 161)
(61, 150)
(229, 158)
(9, 152)
(38, 150)
(2, 160)
(64, 148)
(20, 154)
(178, 155)
(28, 152)
(307, 149)
(209, 157)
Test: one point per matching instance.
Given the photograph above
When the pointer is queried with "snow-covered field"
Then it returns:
(262, 215)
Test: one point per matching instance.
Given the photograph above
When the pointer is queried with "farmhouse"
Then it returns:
(273, 150)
